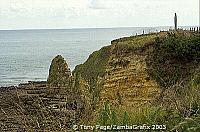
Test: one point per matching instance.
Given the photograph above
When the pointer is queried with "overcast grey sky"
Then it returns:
(31, 14)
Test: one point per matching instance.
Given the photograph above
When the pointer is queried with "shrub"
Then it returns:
(173, 58)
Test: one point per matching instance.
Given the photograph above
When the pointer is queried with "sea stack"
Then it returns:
(59, 72)
(175, 22)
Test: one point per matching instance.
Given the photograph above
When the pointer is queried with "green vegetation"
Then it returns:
(92, 70)
(130, 44)
(139, 116)
(108, 116)
(174, 58)
(174, 64)
(95, 65)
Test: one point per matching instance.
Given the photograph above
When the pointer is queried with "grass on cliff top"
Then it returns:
(136, 41)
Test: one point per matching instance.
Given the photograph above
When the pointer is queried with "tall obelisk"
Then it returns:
(175, 22)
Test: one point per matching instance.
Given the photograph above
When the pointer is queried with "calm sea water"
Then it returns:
(25, 55)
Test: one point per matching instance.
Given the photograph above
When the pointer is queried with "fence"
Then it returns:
(190, 29)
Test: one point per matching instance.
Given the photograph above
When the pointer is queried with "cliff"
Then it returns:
(118, 74)
(141, 79)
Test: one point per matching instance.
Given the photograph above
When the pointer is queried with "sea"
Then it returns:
(26, 55)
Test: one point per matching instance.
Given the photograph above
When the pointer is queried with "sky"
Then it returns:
(56, 14)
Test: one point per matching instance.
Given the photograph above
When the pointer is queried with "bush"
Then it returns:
(173, 58)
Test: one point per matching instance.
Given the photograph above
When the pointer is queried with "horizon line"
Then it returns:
(90, 28)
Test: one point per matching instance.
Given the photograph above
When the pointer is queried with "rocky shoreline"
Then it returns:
(22, 85)
(35, 106)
